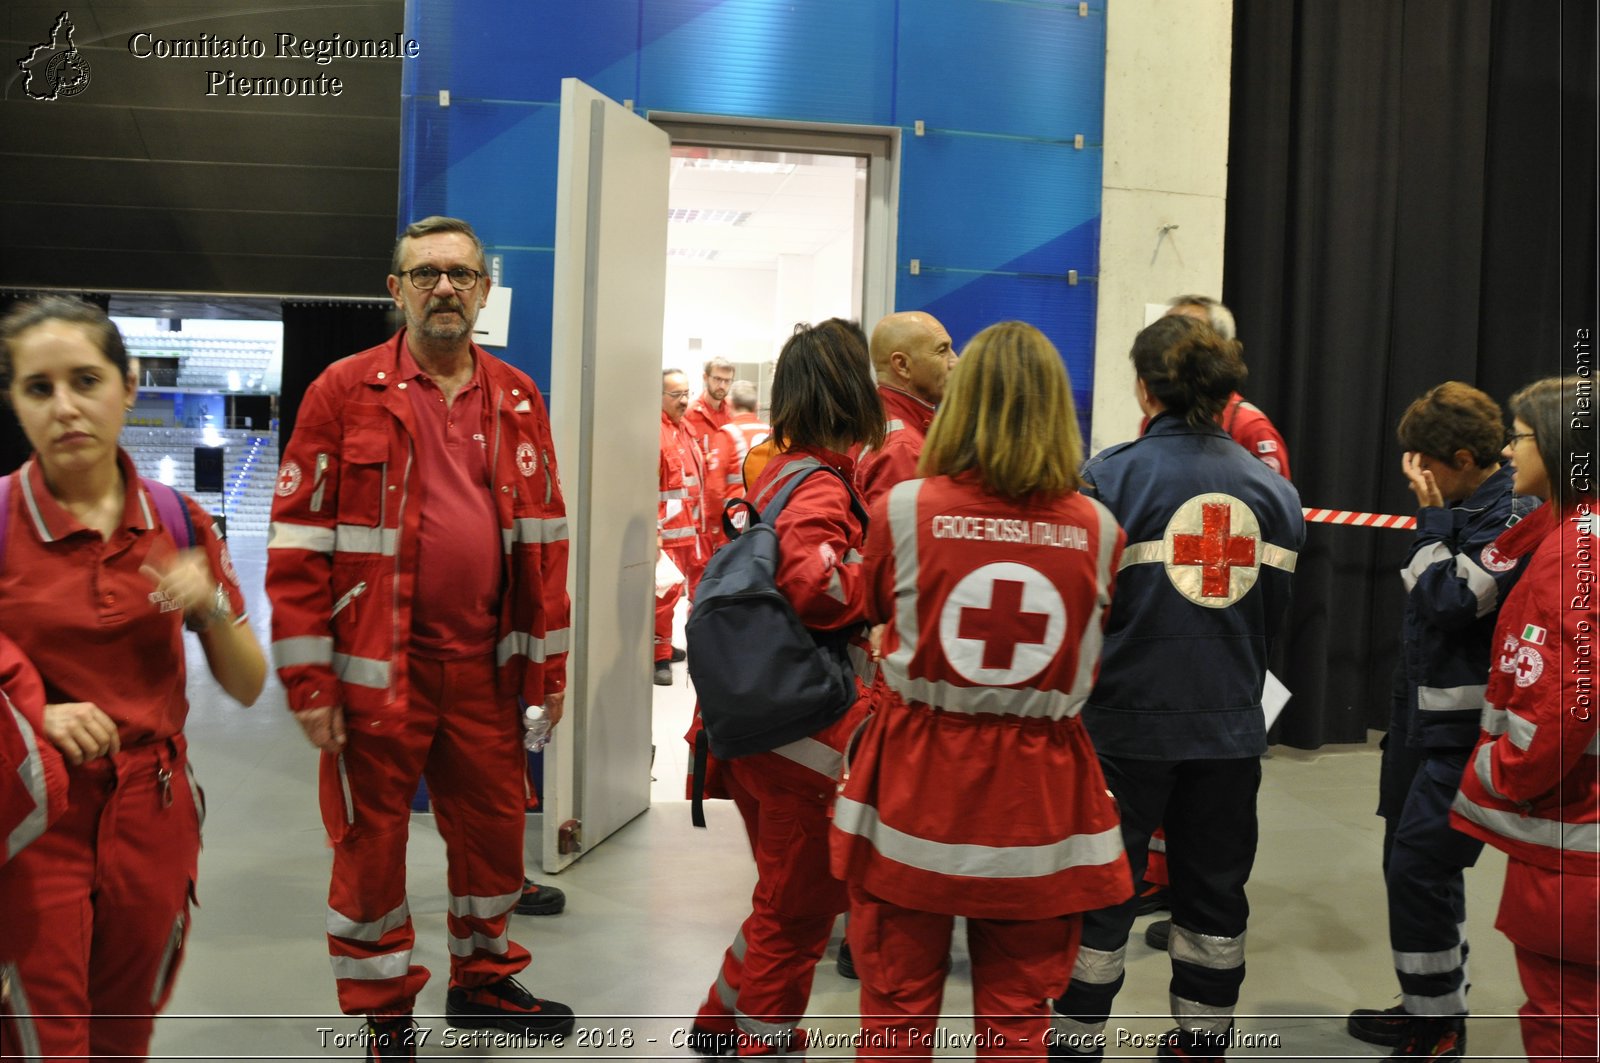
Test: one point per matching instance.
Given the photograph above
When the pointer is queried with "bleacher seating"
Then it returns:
(251, 465)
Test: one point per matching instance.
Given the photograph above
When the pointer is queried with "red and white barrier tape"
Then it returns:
(1359, 520)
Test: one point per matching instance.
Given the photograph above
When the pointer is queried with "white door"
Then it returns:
(610, 285)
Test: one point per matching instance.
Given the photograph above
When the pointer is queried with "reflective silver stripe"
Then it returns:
(1421, 561)
(479, 907)
(532, 647)
(1093, 630)
(361, 671)
(302, 649)
(674, 493)
(691, 481)
(1480, 583)
(1451, 1003)
(866, 668)
(1428, 962)
(678, 533)
(496, 944)
(893, 425)
(33, 505)
(1158, 844)
(194, 792)
(902, 511)
(1274, 556)
(972, 860)
(21, 1015)
(726, 994)
(534, 530)
(282, 535)
(1097, 967)
(778, 1031)
(1450, 699)
(1550, 833)
(1072, 1034)
(372, 968)
(835, 588)
(1206, 950)
(1520, 731)
(738, 947)
(1482, 767)
(359, 539)
(818, 756)
(1198, 1017)
(31, 771)
(1142, 554)
(1002, 701)
(1493, 720)
(342, 926)
(852, 556)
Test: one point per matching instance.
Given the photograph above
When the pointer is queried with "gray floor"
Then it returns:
(650, 911)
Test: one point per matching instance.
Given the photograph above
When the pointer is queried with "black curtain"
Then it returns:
(317, 334)
(14, 446)
(1410, 201)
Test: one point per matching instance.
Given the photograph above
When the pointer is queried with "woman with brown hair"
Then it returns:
(102, 572)
(823, 403)
(1532, 785)
(974, 790)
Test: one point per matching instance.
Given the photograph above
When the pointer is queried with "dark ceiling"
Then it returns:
(142, 181)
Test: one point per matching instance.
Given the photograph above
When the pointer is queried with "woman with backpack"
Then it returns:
(974, 789)
(824, 401)
(100, 574)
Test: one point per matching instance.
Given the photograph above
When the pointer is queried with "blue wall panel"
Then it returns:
(994, 200)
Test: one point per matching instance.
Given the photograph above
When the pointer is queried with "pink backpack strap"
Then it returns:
(5, 515)
(174, 512)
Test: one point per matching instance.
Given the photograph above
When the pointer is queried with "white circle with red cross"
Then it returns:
(1002, 624)
(527, 460)
(1528, 666)
(289, 479)
(1212, 550)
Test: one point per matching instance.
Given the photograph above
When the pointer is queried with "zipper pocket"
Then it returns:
(317, 485)
(349, 802)
(168, 959)
(349, 596)
(549, 481)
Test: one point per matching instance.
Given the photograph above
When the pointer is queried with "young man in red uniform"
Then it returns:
(710, 410)
(730, 445)
(911, 355)
(680, 517)
(417, 569)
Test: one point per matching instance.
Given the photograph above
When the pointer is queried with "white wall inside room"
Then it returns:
(757, 241)
(1165, 181)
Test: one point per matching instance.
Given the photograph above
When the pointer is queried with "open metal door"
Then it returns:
(610, 292)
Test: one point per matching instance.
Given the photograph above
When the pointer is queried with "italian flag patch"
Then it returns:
(1533, 633)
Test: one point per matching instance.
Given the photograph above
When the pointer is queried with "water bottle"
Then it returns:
(536, 728)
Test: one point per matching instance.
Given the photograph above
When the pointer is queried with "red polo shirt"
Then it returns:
(456, 611)
(85, 615)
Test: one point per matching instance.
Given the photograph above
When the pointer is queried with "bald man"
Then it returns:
(912, 355)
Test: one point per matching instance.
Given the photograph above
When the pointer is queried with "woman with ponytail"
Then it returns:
(1175, 713)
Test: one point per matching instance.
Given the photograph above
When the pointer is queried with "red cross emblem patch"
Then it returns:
(289, 479)
(527, 459)
(1211, 549)
(1002, 624)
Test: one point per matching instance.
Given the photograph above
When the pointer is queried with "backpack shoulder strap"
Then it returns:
(172, 508)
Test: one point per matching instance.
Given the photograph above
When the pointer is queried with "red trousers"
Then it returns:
(110, 887)
(765, 982)
(1554, 922)
(902, 956)
(691, 560)
(468, 741)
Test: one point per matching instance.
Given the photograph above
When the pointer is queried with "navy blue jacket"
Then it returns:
(1213, 535)
(1454, 584)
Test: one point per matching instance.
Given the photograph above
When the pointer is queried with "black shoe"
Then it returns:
(707, 1042)
(1432, 1038)
(679, 656)
(1153, 899)
(1158, 935)
(540, 900)
(847, 963)
(391, 1038)
(1376, 1027)
(505, 1005)
(663, 674)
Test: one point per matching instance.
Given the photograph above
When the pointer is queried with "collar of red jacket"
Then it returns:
(906, 407)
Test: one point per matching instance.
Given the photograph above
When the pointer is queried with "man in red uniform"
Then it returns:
(1250, 428)
(680, 519)
(417, 570)
(912, 356)
(710, 410)
(730, 445)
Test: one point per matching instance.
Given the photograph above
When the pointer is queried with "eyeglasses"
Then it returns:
(1513, 438)
(426, 278)
(677, 394)
(721, 379)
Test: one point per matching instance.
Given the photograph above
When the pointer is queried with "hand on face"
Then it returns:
(1420, 479)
